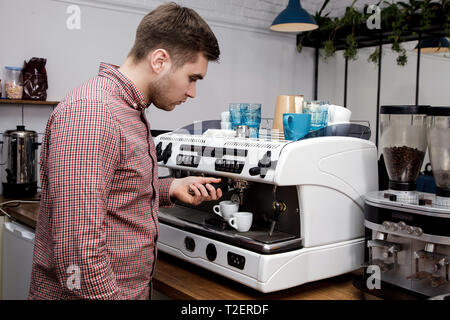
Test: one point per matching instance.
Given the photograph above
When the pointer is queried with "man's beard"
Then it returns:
(159, 89)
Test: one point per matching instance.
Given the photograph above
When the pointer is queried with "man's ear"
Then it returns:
(159, 60)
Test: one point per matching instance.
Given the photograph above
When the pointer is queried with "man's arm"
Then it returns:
(82, 156)
(164, 192)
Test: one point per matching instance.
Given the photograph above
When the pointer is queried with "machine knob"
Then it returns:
(189, 244)
(418, 231)
(167, 153)
(254, 171)
(401, 225)
(211, 252)
(265, 162)
(159, 152)
(386, 225)
(409, 229)
(394, 226)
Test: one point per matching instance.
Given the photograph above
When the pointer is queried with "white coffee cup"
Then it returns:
(241, 221)
(339, 114)
(225, 116)
(225, 125)
(226, 208)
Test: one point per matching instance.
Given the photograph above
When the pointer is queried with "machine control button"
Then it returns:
(418, 231)
(394, 226)
(409, 229)
(265, 162)
(229, 165)
(401, 225)
(254, 171)
(189, 243)
(211, 252)
(167, 153)
(159, 152)
(392, 197)
(236, 260)
(386, 225)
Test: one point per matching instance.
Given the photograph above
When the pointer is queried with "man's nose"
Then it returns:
(191, 90)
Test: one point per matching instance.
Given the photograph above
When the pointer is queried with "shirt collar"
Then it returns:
(131, 94)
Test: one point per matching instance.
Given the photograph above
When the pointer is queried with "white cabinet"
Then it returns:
(17, 259)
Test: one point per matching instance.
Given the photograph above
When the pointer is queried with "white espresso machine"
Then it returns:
(306, 197)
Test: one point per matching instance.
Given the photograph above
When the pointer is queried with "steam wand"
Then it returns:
(279, 207)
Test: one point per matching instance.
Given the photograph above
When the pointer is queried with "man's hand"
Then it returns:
(200, 187)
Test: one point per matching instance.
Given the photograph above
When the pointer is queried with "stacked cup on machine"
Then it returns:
(225, 120)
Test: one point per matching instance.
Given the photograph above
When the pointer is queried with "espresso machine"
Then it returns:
(306, 197)
(409, 231)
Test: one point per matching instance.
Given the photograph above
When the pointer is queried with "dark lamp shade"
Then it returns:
(436, 45)
(294, 19)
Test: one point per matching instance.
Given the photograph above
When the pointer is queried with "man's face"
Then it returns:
(175, 85)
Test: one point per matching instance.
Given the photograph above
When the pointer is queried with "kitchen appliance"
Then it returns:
(19, 178)
(305, 196)
(409, 231)
(438, 135)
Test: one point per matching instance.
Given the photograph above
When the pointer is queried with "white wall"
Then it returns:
(398, 84)
(256, 64)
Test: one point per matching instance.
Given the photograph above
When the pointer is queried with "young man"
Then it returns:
(97, 227)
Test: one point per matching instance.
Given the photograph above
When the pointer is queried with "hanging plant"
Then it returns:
(375, 56)
(394, 17)
(351, 18)
(398, 18)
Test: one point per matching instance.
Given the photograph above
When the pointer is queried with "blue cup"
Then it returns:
(251, 117)
(248, 114)
(296, 125)
(236, 112)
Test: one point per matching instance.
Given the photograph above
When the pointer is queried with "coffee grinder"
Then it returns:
(408, 232)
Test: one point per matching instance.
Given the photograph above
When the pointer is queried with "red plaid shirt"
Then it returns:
(97, 226)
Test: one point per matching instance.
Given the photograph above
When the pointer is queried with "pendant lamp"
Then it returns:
(294, 19)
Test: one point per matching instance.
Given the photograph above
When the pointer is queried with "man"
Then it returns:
(97, 227)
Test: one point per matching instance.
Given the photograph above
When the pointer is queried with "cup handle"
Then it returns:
(216, 210)
(232, 222)
(289, 123)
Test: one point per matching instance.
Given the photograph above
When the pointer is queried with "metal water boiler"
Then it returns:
(19, 170)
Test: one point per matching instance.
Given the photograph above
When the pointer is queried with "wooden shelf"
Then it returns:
(39, 102)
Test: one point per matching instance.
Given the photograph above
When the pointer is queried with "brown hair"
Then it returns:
(179, 30)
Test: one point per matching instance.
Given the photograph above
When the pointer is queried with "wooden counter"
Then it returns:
(178, 279)
(25, 213)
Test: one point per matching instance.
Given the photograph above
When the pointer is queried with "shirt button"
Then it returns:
(135, 105)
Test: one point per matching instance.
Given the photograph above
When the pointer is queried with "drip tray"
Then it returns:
(209, 225)
(256, 233)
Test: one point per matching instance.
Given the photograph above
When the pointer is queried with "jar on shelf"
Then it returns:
(13, 83)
